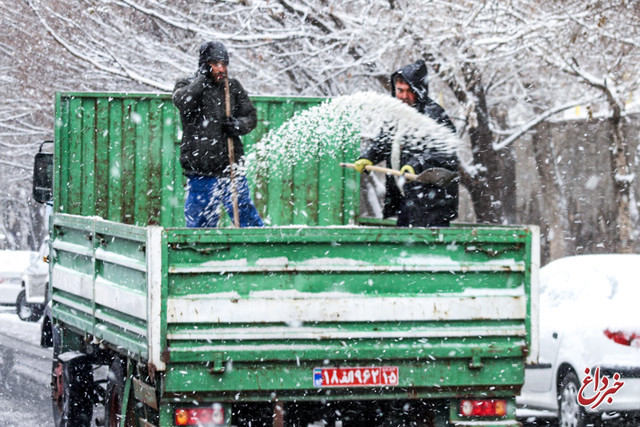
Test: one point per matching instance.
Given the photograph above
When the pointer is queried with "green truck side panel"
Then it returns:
(111, 149)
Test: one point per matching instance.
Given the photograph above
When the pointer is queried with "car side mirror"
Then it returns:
(43, 176)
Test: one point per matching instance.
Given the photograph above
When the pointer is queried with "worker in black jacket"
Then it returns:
(416, 204)
(204, 152)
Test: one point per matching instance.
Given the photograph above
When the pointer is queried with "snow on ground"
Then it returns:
(11, 325)
(25, 373)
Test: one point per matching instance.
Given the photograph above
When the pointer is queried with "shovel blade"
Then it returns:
(437, 176)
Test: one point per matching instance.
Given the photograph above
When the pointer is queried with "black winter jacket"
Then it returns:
(423, 205)
(204, 148)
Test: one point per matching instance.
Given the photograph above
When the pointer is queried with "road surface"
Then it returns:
(25, 371)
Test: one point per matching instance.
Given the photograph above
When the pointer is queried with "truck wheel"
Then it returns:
(570, 413)
(114, 393)
(49, 335)
(46, 332)
(27, 312)
(71, 388)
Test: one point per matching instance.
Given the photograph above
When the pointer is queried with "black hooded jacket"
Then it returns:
(201, 101)
(422, 205)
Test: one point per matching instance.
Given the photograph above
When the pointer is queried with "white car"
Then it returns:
(35, 279)
(589, 361)
(12, 265)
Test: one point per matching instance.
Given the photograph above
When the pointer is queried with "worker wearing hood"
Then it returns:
(415, 204)
(204, 148)
(416, 76)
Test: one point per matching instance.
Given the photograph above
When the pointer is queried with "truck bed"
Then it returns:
(288, 310)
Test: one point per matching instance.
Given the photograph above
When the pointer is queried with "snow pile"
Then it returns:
(334, 127)
(12, 326)
(593, 292)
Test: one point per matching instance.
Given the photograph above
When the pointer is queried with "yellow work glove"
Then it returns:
(360, 164)
(408, 169)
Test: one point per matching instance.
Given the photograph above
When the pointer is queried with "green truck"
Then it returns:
(323, 317)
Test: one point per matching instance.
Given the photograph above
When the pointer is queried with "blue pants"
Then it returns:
(202, 207)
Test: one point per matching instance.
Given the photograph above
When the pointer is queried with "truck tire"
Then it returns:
(72, 387)
(28, 312)
(114, 393)
(46, 331)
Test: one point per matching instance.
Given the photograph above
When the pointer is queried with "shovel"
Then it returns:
(434, 176)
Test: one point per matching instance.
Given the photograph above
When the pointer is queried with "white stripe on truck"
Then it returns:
(348, 308)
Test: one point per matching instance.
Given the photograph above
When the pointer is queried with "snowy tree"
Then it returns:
(499, 69)
(597, 45)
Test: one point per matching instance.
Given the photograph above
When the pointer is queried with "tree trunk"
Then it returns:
(555, 220)
(493, 188)
(622, 179)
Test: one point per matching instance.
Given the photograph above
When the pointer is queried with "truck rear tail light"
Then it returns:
(483, 408)
(624, 338)
(208, 416)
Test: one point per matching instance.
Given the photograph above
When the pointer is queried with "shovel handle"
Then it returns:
(371, 168)
(232, 158)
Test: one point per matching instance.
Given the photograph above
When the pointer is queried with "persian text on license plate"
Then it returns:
(355, 376)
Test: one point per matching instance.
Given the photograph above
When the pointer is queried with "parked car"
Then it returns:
(31, 300)
(12, 265)
(589, 363)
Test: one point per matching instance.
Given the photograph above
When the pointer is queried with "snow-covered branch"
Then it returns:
(534, 122)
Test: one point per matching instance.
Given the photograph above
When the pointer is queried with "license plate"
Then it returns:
(355, 376)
